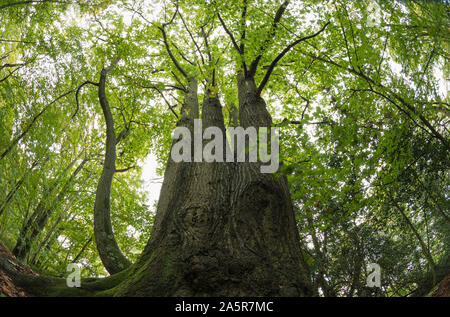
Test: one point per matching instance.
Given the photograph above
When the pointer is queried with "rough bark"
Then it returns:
(221, 229)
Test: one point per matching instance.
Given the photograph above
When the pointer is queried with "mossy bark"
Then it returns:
(221, 229)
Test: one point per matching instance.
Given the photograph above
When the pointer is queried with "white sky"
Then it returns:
(152, 182)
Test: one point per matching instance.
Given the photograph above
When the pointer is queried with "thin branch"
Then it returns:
(166, 44)
(82, 250)
(172, 57)
(243, 27)
(208, 50)
(77, 93)
(182, 55)
(165, 99)
(17, 41)
(121, 170)
(229, 34)
(12, 72)
(192, 38)
(7, 65)
(285, 120)
(270, 36)
(235, 45)
(284, 52)
(179, 81)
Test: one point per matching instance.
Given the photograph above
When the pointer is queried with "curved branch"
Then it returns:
(108, 249)
(172, 57)
(77, 93)
(284, 52)
(234, 43)
(263, 48)
(166, 44)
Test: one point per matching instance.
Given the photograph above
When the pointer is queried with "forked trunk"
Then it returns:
(222, 229)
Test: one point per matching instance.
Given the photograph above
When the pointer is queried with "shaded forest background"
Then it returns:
(363, 112)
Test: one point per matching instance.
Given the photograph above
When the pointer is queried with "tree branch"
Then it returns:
(125, 169)
(284, 52)
(166, 44)
(235, 45)
(271, 35)
(77, 93)
(244, 27)
(192, 38)
(8, 5)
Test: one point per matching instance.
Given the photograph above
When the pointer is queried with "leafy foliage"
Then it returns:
(362, 107)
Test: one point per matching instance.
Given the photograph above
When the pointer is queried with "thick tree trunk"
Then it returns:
(221, 229)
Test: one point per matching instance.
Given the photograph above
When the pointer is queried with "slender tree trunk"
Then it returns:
(112, 258)
(82, 250)
(55, 225)
(28, 223)
(39, 218)
(19, 183)
(426, 252)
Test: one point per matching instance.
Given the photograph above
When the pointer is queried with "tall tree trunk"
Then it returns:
(18, 184)
(221, 229)
(112, 257)
(38, 220)
(55, 225)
